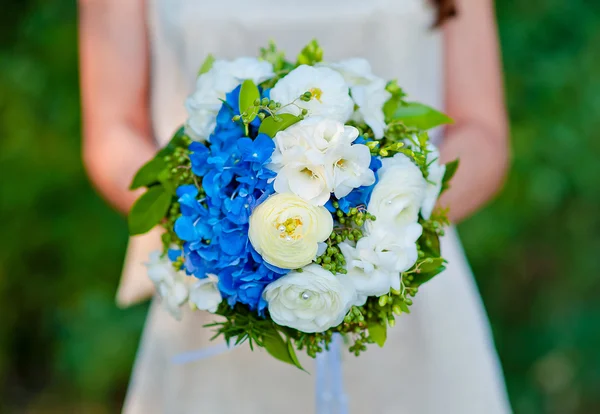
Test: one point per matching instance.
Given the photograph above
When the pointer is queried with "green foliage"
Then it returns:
(249, 94)
(149, 210)
(414, 114)
(273, 124)
(207, 64)
(280, 349)
(149, 173)
(311, 54)
(378, 332)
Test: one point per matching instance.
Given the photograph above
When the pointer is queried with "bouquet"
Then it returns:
(297, 202)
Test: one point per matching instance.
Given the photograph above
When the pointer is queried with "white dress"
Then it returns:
(438, 359)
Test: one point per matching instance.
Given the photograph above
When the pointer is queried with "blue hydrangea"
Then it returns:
(235, 178)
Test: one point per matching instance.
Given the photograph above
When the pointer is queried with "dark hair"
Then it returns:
(446, 9)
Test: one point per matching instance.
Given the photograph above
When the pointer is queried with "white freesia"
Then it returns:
(350, 168)
(330, 94)
(286, 230)
(368, 92)
(397, 197)
(313, 300)
(205, 294)
(211, 87)
(434, 184)
(172, 286)
(316, 157)
(375, 263)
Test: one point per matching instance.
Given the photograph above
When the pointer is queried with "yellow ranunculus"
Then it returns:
(286, 230)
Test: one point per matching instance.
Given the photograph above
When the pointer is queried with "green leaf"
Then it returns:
(165, 179)
(279, 349)
(414, 114)
(248, 95)
(431, 264)
(271, 127)
(378, 332)
(430, 243)
(404, 307)
(293, 355)
(149, 210)
(149, 173)
(451, 168)
(430, 268)
(207, 64)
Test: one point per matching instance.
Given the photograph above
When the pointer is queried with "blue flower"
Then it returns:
(257, 151)
(234, 175)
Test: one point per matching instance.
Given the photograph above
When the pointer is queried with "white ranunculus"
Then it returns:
(367, 90)
(205, 294)
(434, 184)
(286, 230)
(397, 197)
(211, 87)
(315, 157)
(172, 286)
(313, 300)
(331, 96)
(350, 168)
(375, 263)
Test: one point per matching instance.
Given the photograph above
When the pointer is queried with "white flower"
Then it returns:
(355, 71)
(434, 184)
(331, 97)
(375, 264)
(250, 68)
(397, 197)
(205, 294)
(350, 168)
(313, 300)
(286, 230)
(370, 100)
(171, 285)
(211, 87)
(315, 157)
(368, 92)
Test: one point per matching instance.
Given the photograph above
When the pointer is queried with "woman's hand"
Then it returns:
(474, 99)
(114, 85)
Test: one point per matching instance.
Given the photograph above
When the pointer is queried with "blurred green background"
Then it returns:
(65, 347)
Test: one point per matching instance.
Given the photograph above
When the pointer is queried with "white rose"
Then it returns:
(331, 97)
(286, 230)
(397, 197)
(313, 300)
(368, 92)
(434, 182)
(211, 87)
(171, 285)
(375, 263)
(205, 294)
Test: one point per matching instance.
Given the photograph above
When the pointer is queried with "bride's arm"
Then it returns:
(114, 85)
(474, 98)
